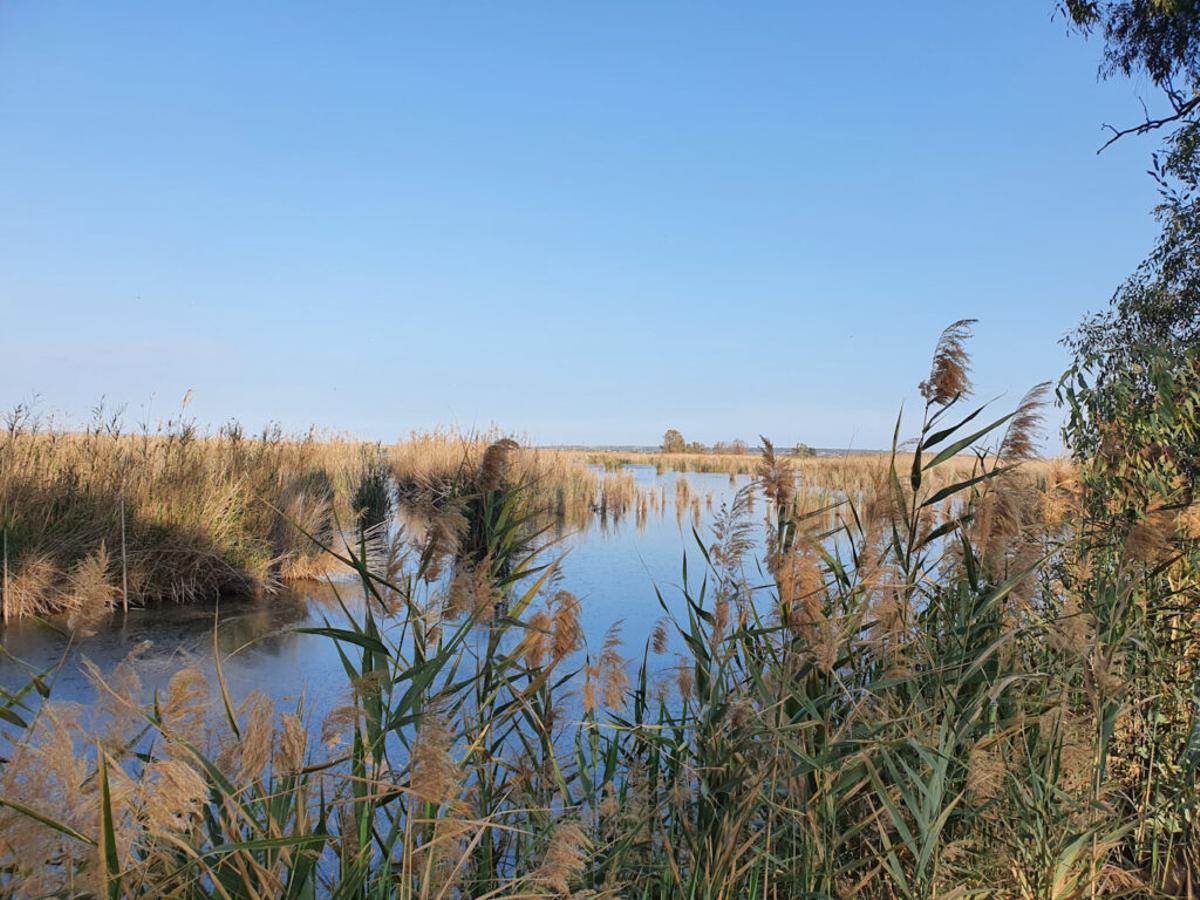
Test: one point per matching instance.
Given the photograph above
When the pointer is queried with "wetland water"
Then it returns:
(612, 567)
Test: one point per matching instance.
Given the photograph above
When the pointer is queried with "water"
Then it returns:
(613, 569)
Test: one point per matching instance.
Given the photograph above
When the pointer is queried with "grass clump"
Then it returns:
(944, 685)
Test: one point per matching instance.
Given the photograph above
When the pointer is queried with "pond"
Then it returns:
(612, 566)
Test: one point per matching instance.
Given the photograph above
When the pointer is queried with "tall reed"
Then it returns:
(921, 690)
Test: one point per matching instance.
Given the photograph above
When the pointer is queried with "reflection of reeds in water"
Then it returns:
(894, 716)
(683, 490)
(100, 517)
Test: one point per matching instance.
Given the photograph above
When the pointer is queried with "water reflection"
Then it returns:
(612, 566)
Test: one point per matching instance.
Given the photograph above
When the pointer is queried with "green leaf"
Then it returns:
(958, 445)
(112, 864)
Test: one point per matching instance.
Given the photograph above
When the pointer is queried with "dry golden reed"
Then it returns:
(948, 379)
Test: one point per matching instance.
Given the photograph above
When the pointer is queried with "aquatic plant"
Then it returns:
(926, 688)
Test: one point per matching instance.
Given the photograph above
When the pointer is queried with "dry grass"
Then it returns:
(957, 678)
(101, 518)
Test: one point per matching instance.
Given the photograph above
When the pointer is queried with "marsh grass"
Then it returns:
(924, 689)
(100, 518)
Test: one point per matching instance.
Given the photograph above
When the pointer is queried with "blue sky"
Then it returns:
(581, 222)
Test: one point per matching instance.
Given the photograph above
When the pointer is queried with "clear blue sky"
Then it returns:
(584, 222)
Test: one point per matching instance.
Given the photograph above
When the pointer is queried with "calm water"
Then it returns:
(612, 569)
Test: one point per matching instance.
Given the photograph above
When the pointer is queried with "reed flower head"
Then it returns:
(612, 668)
(173, 797)
(472, 592)
(567, 632)
(537, 639)
(1021, 436)
(184, 708)
(1150, 538)
(434, 773)
(685, 677)
(564, 860)
(293, 745)
(948, 378)
(658, 639)
(258, 736)
(776, 476)
(496, 463)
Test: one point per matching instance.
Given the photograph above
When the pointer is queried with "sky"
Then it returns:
(582, 223)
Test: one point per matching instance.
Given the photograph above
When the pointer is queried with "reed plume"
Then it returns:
(776, 476)
(948, 378)
(495, 465)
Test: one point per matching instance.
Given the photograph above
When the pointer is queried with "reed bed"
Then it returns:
(936, 685)
(94, 519)
(99, 518)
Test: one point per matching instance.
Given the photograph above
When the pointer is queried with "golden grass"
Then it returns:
(98, 519)
(964, 697)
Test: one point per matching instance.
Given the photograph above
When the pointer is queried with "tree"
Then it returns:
(803, 450)
(1133, 403)
(673, 442)
(736, 447)
(1156, 38)
(1149, 335)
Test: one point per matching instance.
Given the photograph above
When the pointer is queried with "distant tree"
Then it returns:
(673, 442)
(695, 447)
(735, 447)
(803, 450)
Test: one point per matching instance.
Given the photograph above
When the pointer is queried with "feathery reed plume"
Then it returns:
(948, 377)
(92, 591)
(776, 476)
(801, 586)
(658, 639)
(473, 591)
(495, 465)
(591, 675)
(434, 773)
(293, 745)
(564, 860)
(609, 806)
(443, 535)
(173, 794)
(337, 723)
(685, 678)
(45, 772)
(537, 637)
(184, 708)
(567, 632)
(1020, 438)
(258, 736)
(612, 667)
(118, 696)
(1150, 538)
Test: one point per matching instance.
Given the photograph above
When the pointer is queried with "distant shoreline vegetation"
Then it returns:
(718, 449)
(962, 646)
(103, 518)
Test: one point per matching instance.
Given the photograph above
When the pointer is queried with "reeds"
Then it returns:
(899, 701)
